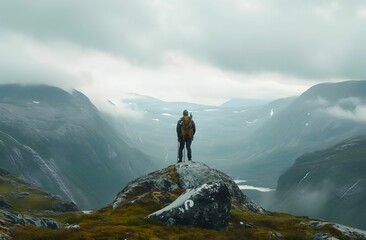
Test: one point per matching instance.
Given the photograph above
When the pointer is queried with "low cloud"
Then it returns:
(103, 76)
(206, 52)
(309, 40)
(351, 108)
(358, 114)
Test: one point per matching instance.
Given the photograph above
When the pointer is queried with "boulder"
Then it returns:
(348, 232)
(180, 177)
(207, 206)
(323, 236)
(11, 219)
(63, 206)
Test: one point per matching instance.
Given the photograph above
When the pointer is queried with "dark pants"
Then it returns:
(185, 141)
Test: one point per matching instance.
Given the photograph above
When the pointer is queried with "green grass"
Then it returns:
(129, 222)
(35, 200)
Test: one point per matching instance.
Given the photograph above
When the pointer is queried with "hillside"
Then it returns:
(322, 116)
(20, 196)
(129, 216)
(22, 203)
(329, 184)
(60, 142)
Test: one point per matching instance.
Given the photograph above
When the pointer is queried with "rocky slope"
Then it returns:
(181, 202)
(184, 176)
(328, 184)
(21, 203)
(60, 142)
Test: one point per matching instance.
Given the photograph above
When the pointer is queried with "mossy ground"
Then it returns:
(22, 197)
(129, 222)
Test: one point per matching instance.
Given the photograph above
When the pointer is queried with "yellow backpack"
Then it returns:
(186, 128)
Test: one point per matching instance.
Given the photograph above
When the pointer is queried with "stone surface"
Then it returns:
(352, 233)
(323, 236)
(9, 219)
(207, 206)
(63, 206)
(184, 176)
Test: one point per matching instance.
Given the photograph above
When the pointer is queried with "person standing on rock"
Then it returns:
(186, 128)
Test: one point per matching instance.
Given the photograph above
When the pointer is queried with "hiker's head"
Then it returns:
(185, 113)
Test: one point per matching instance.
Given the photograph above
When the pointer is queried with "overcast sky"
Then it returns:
(204, 51)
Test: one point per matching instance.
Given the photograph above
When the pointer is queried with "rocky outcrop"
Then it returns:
(207, 206)
(206, 195)
(9, 219)
(323, 236)
(196, 174)
(184, 176)
(63, 206)
(348, 232)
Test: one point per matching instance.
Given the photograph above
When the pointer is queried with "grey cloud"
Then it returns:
(290, 38)
(358, 114)
(352, 108)
(307, 39)
(119, 27)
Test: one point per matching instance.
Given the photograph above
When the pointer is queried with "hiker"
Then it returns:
(186, 128)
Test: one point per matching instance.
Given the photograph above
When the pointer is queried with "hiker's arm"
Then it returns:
(178, 129)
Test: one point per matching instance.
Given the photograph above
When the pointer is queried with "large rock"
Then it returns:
(184, 176)
(10, 219)
(207, 206)
(348, 232)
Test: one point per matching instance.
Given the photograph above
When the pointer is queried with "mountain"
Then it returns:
(22, 197)
(219, 129)
(329, 184)
(60, 142)
(242, 102)
(322, 116)
(258, 142)
(187, 201)
(254, 143)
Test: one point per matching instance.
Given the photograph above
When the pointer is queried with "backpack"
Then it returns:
(186, 128)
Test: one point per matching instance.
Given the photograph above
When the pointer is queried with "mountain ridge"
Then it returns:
(331, 181)
(57, 140)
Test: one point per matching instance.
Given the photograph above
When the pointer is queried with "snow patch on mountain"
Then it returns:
(349, 189)
(306, 175)
(260, 189)
(251, 122)
(211, 110)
